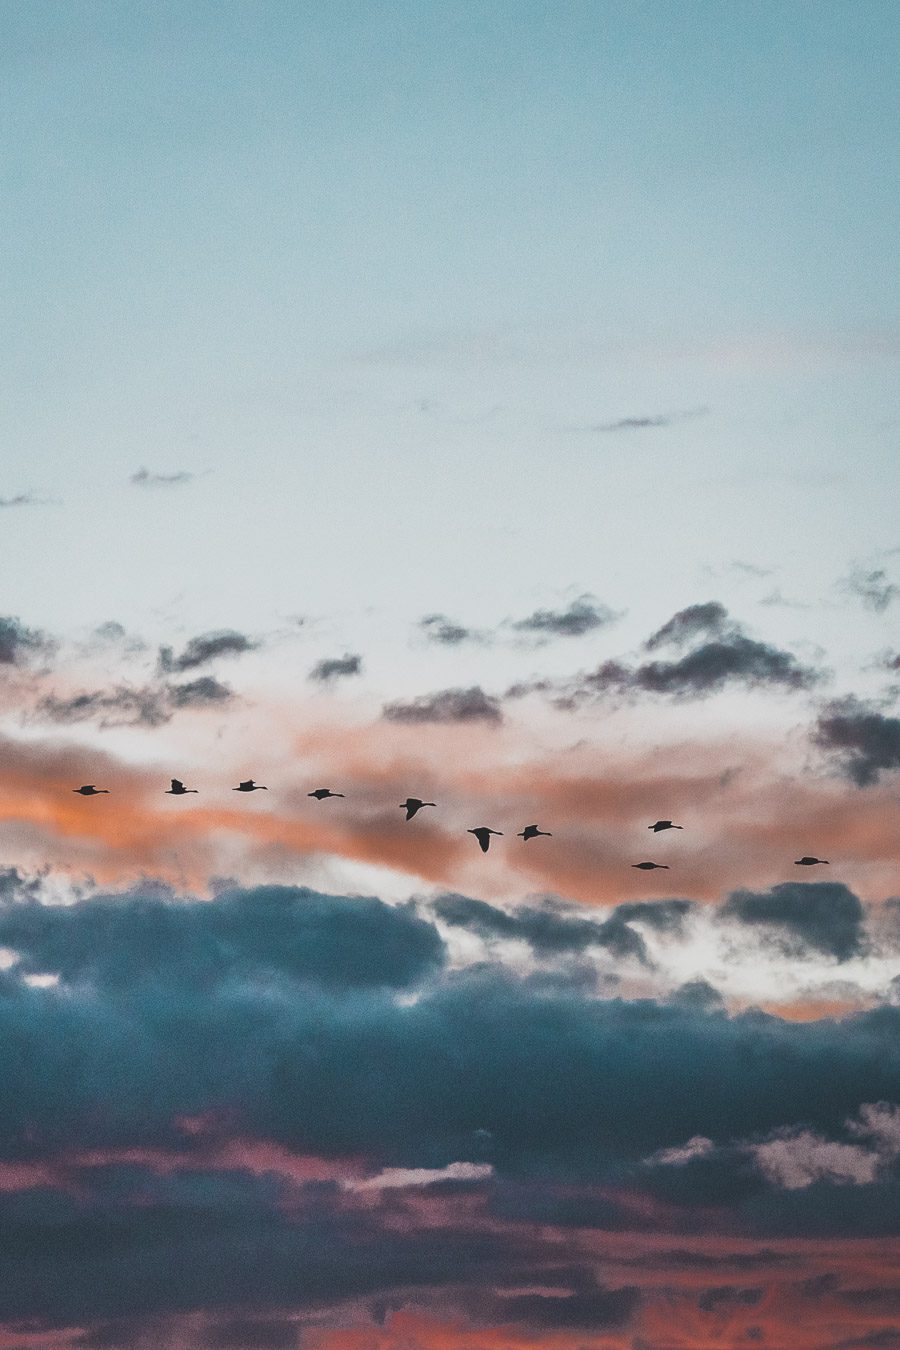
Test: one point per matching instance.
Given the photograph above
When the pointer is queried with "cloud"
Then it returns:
(438, 629)
(199, 693)
(336, 668)
(825, 915)
(148, 479)
(204, 648)
(18, 642)
(583, 615)
(709, 620)
(22, 499)
(706, 670)
(447, 705)
(865, 742)
(121, 706)
(549, 929)
(644, 422)
(873, 588)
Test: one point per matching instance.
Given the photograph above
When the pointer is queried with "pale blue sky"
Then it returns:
(376, 272)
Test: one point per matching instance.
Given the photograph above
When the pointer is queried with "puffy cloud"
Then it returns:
(709, 620)
(336, 668)
(550, 929)
(864, 740)
(18, 642)
(871, 587)
(199, 693)
(204, 648)
(448, 705)
(822, 914)
(438, 629)
(583, 615)
(123, 705)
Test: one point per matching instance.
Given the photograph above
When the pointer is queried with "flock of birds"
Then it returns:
(412, 805)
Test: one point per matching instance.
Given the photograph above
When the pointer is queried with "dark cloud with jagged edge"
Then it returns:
(146, 478)
(872, 588)
(336, 668)
(583, 615)
(549, 929)
(204, 648)
(199, 693)
(18, 642)
(710, 620)
(825, 915)
(444, 632)
(447, 705)
(131, 706)
(865, 742)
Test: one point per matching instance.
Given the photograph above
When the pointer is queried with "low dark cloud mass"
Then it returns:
(17, 642)
(871, 587)
(706, 670)
(277, 1105)
(204, 648)
(448, 705)
(865, 742)
(439, 629)
(336, 667)
(199, 693)
(822, 914)
(146, 478)
(583, 615)
(122, 706)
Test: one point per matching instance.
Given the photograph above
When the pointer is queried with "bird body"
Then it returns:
(89, 790)
(412, 805)
(806, 861)
(483, 835)
(321, 793)
(178, 789)
(249, 786)
(664, 825)
(532, 832)
(649, 866)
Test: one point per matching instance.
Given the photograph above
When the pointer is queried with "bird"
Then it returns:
(531, 832)
(412, 805)
(483, 835)
(89, 790)
(321, 793)
(648, 866)
(806, 861)
(249, 786)
(664, 825)
(178, 789)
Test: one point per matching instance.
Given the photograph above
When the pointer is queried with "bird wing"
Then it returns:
(177, 784)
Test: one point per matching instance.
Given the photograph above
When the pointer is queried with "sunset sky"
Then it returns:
(496, 404)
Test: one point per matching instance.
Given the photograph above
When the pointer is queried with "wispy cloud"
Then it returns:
(644, 422)
(447, 705)
(336, 668)
(204, 648)
(148, 479)
(584, 615)
(872, 588)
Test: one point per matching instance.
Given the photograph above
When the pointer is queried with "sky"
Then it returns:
(495, 405)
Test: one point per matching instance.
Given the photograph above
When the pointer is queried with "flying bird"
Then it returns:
(412, 805)
(664, 825)
(89, 790)
(249, 786)
(648, 866)
(321, 793)
(483, 835)
(532, 832)
(806, 861)
(178, 789)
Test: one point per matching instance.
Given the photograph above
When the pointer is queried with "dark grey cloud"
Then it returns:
(865, 742)
(727, 1297)
(707, 669)
(825, 915)
(710, 620)
(584, 615)
(199, 693)
(148, 479)
(22, 499)
(871, 587)
(336, 668)
(17, 642)
(592, 1308)
(445, 632)
(122, 706)
(666, 916)
(548, 929)
(447, 705)
(204, 648)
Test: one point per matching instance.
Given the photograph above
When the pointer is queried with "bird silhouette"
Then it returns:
(321, 793)
(648, 866)
(664, 825)
(178, 789)
(483, 835)
(89, 790)
(531, 832)
(249, 786)
(412, 805)
(806, 861)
